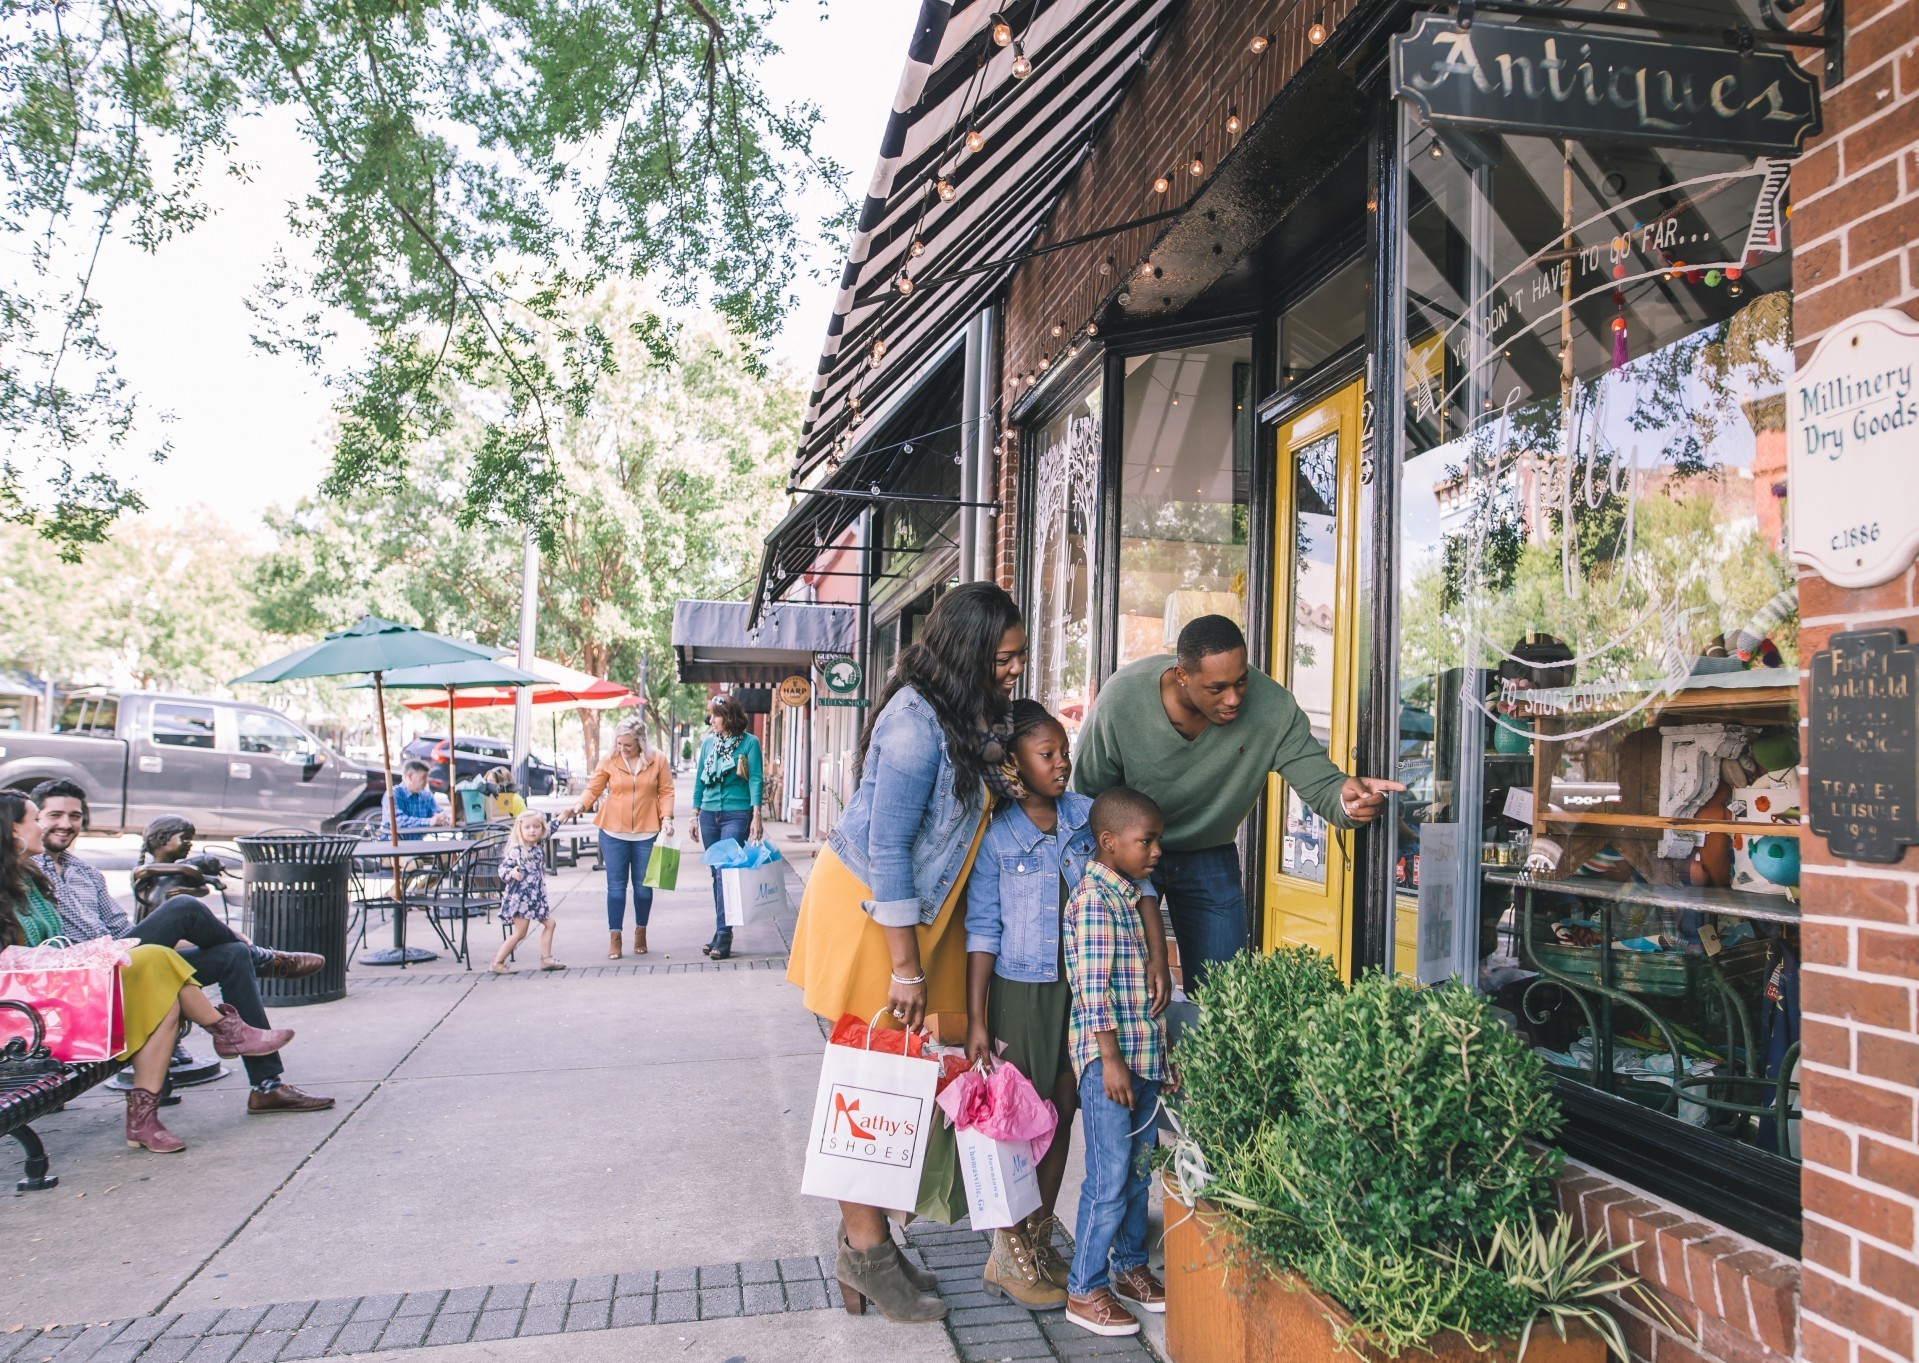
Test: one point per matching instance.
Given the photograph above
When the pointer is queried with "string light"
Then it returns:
(1022, 68)
(1437, 150)
(1003, 33)
(1260, 43)
(879, 349)
(918, 248)
(945, 190)
(1161, 184)
(1196, 167)
(975, 140)
(1233, 125)
(1059, 329)
(904, 283)
(1124, 298)
(1317, 33)
(1092, 329)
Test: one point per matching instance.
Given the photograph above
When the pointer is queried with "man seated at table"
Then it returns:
(219, 955)
(413, 804)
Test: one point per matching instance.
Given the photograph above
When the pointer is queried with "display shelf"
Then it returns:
(1757, 830)
(1770, 908)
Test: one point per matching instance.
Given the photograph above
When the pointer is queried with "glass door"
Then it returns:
(1308, 861)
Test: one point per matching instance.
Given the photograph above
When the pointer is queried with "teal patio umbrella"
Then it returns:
(379, 647)
(466, 674)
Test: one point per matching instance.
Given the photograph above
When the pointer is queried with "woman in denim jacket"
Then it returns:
(880, 929)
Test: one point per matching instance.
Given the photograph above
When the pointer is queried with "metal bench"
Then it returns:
(24, 1100)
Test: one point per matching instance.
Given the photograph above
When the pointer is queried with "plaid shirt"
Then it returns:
(86, 905)
(1106, 962)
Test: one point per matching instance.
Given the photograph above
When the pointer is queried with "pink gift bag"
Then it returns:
(75, 989)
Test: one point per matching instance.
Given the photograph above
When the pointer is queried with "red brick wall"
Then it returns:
(1856, 245)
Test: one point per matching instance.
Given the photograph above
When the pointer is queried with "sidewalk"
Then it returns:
(611, 1153)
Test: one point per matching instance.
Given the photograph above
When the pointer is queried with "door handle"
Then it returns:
(151, 764)
(240, 771)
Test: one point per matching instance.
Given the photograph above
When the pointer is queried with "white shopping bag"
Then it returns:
(871, 1120)
(1002, 1182)
(750, 893)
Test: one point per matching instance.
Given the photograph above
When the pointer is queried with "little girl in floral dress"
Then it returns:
(523, 892)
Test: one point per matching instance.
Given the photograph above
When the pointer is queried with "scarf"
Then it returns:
(721, 760)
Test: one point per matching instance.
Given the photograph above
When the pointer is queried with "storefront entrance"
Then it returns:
(1309, 879)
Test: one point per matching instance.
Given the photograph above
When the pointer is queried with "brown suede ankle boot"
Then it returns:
(639, 940)
(233, 1037)
(876, 1275)
(613, 946)
(143, 1125)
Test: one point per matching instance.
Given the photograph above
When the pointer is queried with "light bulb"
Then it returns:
(904, 284)
(1161, 184)
(975, 140)
(1022, 68)
(1072, 349)
(1233, 125)
(1437, 150)
(879, 350)
(1003, 33)
(1196, 167)
(1092, 329)
(1043, 363)
(1124, 298)
(1317, 33)
(945, 190)
(918, 248)
(1059, 329)
(1260, 43)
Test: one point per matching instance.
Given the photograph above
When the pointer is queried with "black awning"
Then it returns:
(714, 642)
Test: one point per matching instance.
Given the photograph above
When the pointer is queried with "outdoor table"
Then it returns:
(418, 849)
(572, 833)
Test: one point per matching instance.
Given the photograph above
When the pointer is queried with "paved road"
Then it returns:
(540, 1166)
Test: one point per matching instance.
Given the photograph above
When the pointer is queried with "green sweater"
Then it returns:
(1205, 786)
(735, 792)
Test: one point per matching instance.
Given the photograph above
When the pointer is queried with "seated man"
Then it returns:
(218, 955)
(413, 803)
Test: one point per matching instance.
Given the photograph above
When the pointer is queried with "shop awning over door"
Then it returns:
(712, 641)
(1035, 131)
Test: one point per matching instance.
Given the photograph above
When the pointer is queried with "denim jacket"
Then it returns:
(906, 831)
(1013, 898)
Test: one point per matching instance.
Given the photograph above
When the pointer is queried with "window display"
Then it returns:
(1598, 667)
(1065, 489)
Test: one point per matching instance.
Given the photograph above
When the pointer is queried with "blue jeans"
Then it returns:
(626, 861)
(716, 826)
(1207, 902)
(1111, 1230)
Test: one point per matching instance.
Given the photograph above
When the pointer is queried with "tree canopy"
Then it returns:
(483, 167)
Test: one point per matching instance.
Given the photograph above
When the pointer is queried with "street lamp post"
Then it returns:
(529, 619)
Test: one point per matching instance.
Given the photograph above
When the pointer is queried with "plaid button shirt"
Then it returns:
(1106, 962)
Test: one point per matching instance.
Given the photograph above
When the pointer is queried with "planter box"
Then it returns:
(1219, 1313)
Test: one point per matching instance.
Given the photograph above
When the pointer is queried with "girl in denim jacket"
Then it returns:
(1016, 991)
(881, 928)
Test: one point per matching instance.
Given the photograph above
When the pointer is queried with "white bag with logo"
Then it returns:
(750, 893)
(1002, 1182)
(871, 1119)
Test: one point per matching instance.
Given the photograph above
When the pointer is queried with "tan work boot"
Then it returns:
(1053, 1266)
(1013, 1271)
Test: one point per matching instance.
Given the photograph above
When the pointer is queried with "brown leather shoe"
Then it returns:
(291, 965)
(1101, 1313)
(1140, 1287)
(286, 1098)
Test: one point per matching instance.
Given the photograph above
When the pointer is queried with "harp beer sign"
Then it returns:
(1562, 82)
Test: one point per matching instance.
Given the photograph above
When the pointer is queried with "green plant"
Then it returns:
(1563, 1280)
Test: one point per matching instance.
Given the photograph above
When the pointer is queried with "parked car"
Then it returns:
(477, 756)
(230, 767)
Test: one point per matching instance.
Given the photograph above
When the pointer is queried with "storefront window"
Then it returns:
(1185, 490)
(1599, 687)
(1065, 488)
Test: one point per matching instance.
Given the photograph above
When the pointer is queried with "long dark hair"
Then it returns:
(16, 871)
(951, 664)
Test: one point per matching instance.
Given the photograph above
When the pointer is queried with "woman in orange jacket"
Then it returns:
(633, 790)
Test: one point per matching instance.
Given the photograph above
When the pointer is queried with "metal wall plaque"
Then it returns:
(1862, 794)
(1563, 82)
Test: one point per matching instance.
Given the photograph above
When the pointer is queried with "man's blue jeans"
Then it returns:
(626, 861)
(1207, 901)
(1111, 1230)
(716, 825)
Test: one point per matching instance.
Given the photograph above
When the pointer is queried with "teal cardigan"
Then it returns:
(732, 794)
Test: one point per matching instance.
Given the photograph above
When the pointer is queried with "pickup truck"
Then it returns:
(230, 767)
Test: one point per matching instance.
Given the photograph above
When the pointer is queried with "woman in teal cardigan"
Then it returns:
(727, 781)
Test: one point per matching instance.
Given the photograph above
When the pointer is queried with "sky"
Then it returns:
(248, 429)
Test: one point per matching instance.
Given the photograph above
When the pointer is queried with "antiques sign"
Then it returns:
(1863, 796)
(1562, 82)
(1852, 445)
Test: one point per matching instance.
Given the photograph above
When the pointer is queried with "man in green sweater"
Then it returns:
(1198, 733)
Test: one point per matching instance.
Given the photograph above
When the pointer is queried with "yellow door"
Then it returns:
(1315, 579)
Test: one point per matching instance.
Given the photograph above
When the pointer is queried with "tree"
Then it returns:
(673, 477)
(482, 167)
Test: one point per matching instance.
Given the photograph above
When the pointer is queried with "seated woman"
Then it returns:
(156, 989)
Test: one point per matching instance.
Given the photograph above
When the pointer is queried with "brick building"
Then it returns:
(1481, 432)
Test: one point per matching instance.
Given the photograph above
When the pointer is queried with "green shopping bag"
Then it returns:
(662, 868)
(942, 1192)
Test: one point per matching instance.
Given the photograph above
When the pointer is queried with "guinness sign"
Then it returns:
(1562, 82)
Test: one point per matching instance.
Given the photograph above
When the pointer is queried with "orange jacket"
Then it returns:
(636, 802)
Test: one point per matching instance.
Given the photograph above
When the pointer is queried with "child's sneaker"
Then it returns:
(1140, 1287)
(1101, 1313)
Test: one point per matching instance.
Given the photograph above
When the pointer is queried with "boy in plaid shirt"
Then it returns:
(1119, 1052)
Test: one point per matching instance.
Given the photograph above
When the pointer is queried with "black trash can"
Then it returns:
(297, 896)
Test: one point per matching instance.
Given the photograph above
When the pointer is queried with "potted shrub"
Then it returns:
(1360, 1171)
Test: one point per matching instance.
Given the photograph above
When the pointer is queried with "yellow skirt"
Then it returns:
(839, 956)
(148, 988)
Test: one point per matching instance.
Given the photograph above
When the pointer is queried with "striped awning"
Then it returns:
(1035, 132)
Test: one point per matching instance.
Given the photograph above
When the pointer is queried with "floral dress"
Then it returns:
(523, 884)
